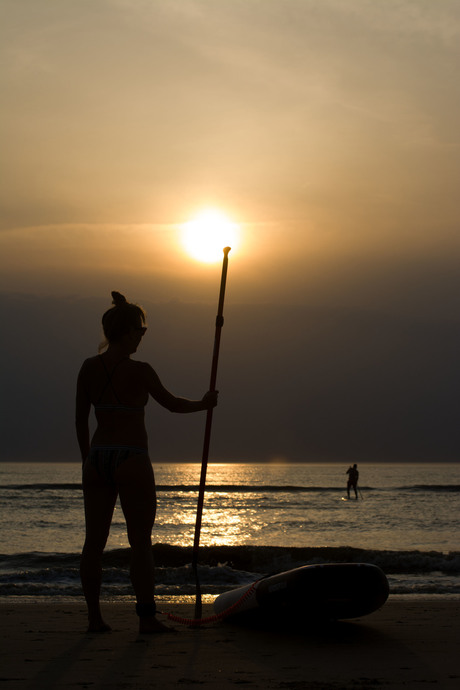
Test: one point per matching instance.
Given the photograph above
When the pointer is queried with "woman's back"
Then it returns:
(118, 391)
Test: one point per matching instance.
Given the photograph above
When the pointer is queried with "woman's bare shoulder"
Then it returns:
(145, 371)
(90, 361)
(89, 364)
(141, 367)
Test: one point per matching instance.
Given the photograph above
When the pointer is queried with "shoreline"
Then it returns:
(407, 643)
(187, 599)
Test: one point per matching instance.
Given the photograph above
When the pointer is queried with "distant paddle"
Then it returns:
(207, 433)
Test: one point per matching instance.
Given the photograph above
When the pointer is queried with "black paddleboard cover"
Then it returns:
(329, 591)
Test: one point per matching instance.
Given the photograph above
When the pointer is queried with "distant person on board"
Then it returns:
(352, 483)
(116, 461)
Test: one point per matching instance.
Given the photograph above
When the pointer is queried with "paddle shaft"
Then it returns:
(207, 431)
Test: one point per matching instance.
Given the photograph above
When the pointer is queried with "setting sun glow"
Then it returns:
(205, 236)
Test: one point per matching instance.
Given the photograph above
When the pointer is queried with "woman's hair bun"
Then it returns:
(118, 298)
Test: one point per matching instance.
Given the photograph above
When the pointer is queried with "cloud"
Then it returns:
(412, 270)
(127, 112)
(294, 381)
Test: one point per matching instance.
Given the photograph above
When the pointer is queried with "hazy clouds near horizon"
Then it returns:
(297, 383)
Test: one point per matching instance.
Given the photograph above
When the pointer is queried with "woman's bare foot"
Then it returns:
(149, 625)
(98, 625)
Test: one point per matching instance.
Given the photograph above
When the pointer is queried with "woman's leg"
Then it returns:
(136, 486)
(100, 498)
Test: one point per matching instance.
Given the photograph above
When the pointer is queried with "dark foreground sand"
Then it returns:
(404, 645)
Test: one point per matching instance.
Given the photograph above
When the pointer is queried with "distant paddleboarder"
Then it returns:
(352, 483)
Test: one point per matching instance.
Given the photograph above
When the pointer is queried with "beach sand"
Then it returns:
(410, 644)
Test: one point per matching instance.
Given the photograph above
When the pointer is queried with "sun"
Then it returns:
(205, 237)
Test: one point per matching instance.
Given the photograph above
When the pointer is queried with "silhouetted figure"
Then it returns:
(116, 462)
(352, 483)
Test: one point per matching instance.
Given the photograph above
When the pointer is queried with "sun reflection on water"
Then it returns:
(247, 504)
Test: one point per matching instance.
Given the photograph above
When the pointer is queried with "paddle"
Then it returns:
(207, 432)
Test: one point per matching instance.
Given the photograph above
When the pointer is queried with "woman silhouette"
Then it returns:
(116, 460)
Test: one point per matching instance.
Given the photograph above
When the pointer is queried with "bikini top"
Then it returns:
(109, 384)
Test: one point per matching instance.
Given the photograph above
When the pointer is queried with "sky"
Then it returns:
(326, 129)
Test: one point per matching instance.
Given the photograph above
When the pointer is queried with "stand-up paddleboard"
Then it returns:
(326, 592)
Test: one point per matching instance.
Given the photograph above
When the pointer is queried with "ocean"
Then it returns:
(257, 519)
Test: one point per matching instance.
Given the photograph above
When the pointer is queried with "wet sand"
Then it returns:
(406, 644)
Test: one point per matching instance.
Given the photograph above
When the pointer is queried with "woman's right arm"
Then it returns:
(82, 410)
(174, 403)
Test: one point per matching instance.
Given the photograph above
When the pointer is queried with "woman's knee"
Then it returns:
(140, 539)
(94, 545)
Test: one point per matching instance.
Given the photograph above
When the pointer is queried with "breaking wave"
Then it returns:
(222, 568)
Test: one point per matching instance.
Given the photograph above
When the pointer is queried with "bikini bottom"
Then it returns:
(107, 459)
